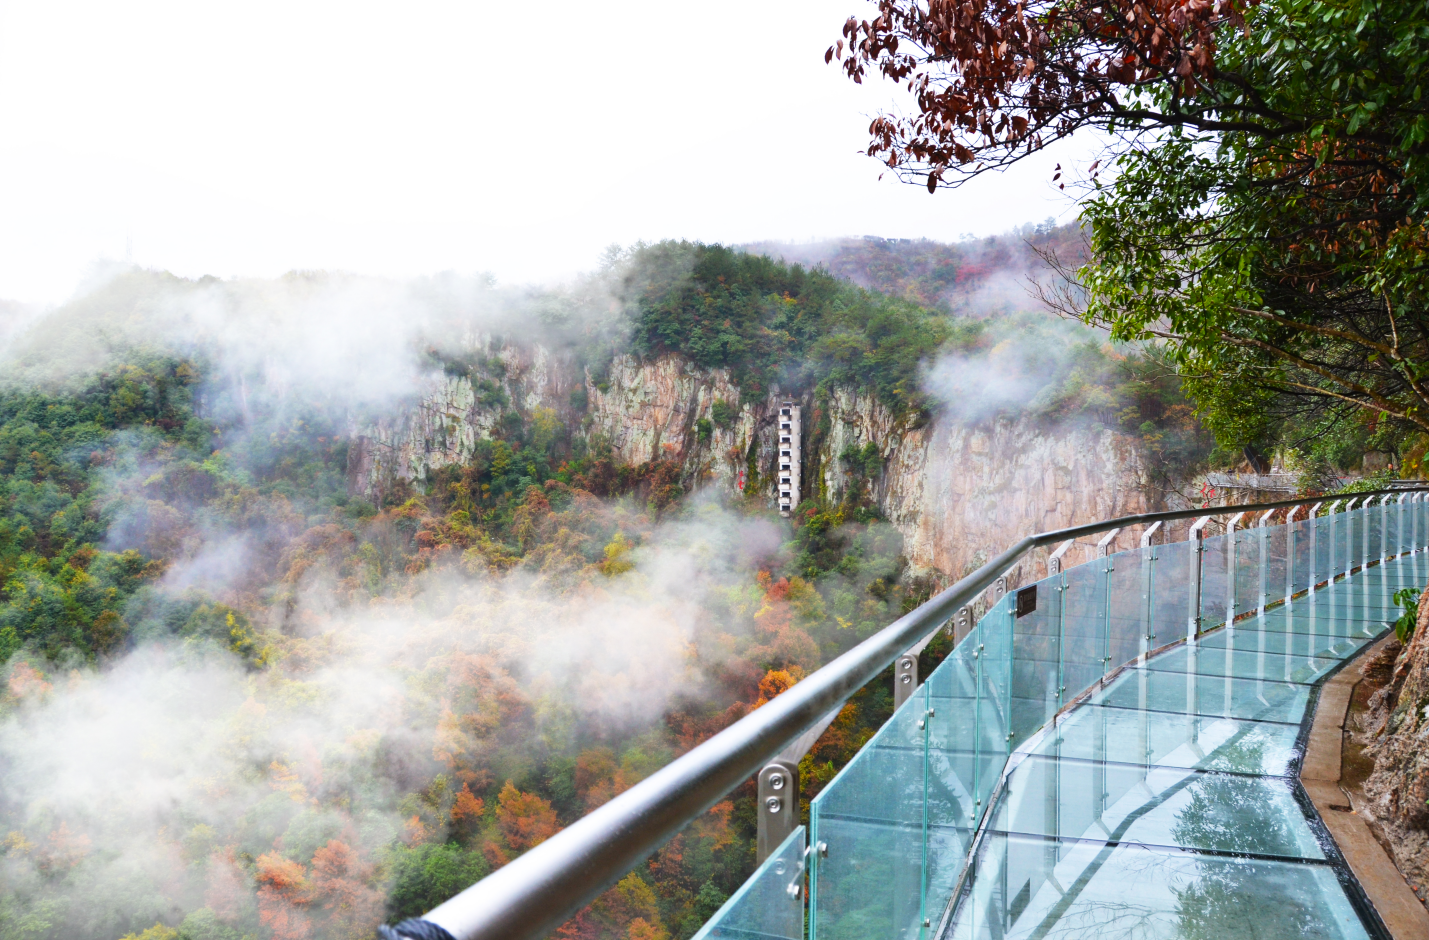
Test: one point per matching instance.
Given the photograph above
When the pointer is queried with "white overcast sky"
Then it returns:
(406, 138)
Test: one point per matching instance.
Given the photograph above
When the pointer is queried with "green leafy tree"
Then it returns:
(1265, 216)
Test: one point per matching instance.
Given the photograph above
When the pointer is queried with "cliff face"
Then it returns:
(648, 411)
(456, 411)
(958, 492)
(1397, 733)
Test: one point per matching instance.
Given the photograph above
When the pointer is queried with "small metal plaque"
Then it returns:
(1026, 600)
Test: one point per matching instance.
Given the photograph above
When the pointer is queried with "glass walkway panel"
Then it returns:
(1110, 753)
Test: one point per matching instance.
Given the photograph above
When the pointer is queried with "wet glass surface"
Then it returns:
(1246, 663)
(1153, 805)
(1229, 697)
(1161, 803)
(1040, 887)
(1190, 741)
(1281, 641)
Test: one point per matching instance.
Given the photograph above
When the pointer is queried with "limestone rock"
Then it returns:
(958, 492)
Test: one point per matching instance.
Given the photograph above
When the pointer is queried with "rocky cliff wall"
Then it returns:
(1396, 732)
(457, 410)
(649, 411)
(958, 491)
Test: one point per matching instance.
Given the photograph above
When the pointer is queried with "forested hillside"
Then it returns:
(315, 713)
(975, 277)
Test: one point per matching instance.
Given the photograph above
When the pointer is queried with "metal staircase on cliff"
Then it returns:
(1108, 752)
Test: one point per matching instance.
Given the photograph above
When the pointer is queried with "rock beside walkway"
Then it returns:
(1395, 732)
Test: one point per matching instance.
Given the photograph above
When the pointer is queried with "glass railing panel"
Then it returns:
(995, 734)
(1247, 663)
(1393, 527)
(1032, 886)
(952, 732)
(1336, 544)
(1416, 567)
(1300, 556)
(1169, 806)
(1037, 660)
(1390, 525)
(1324, 550)
(1246, 583)
(1406, 526)
(1215, 580)
(1406, 571)
(1373, 533)
(1260, 700)
(1354, 538)
(1083, 627)
(1341, 524)
(1346, 554)
(1128, 585)
(1384, 542)
(871, 819)
(770, 904)
(953, 802)
(1273, 550)
(1171, 567)
(1391, 574)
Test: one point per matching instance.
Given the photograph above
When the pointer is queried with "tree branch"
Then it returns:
(1318, 330)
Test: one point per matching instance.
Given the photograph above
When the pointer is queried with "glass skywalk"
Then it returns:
(1116, 762)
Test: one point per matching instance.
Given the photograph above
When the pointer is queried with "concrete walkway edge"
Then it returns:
(1398, 908)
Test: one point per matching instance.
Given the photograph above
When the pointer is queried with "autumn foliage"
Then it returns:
(994, 80)
(476, 742)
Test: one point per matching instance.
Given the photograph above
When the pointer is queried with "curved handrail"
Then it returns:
(540, 890)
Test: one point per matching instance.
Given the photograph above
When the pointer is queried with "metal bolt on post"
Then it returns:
(905, 679)
(962, 624)
(1105, 545)
(1055, 562)
(778, 805)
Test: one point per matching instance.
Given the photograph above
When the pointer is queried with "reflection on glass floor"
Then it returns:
(1165, 806)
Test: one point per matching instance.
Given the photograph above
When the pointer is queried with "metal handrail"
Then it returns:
(538, 891)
